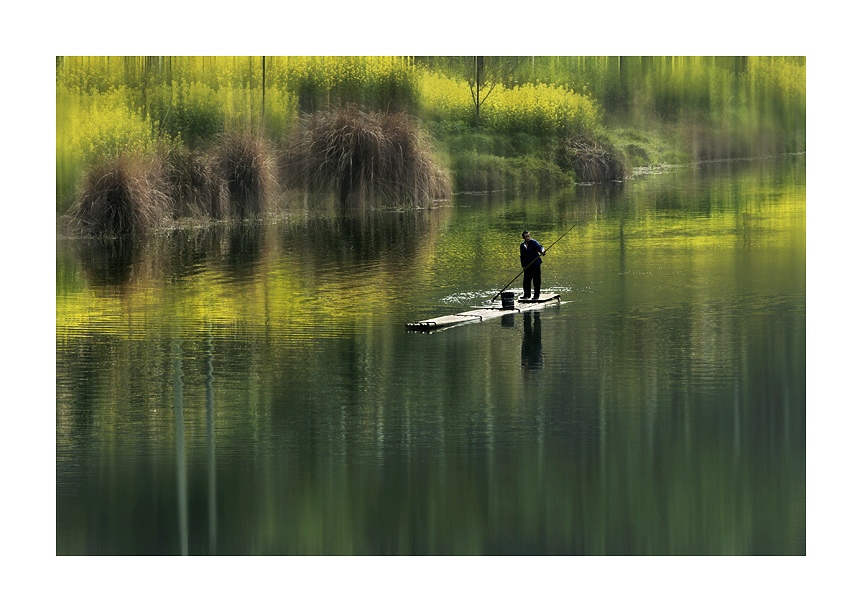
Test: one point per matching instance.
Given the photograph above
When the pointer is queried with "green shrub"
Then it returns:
(481, 172)
(539, 174)
(191, 111)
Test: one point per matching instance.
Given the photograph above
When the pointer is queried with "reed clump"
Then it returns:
(590, 160)
(362, 155)
(135, 193)
(124, 195)
(197, 188)
(245, 163)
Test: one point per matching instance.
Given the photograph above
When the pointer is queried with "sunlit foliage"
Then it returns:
(375, 83)
(93, 126)
(534, 109)
(110, 105)
(718, 106)
(702, 107)
(445, 99)
(540, 109)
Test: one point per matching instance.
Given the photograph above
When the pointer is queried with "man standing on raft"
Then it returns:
(530, 251)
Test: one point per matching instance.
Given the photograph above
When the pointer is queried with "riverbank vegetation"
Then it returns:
(360, 156)
(225, 134)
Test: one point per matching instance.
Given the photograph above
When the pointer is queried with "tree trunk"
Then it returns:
(478, 65)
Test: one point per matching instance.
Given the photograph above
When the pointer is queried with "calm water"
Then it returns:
(253, 390)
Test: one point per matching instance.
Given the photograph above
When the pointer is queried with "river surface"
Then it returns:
(252, 389)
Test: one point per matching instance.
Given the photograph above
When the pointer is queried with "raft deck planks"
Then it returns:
(483, 313)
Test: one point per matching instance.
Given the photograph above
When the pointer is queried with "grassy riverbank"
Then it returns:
(488, 123)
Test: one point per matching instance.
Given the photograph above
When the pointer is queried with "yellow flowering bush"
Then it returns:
(99, 124)
(541, 109)
(778, 77)
(444, 98)
(377, 82)
(92, 126)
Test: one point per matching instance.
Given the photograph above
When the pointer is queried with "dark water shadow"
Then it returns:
(107, 262)
(236, 251)
(531, 342)
(349, 237)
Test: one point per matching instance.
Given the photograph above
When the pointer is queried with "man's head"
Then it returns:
(525, 235)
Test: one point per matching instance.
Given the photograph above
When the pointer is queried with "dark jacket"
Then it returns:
(530, 251)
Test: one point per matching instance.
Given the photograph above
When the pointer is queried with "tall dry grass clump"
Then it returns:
(246, 165)
(124, 195)
(197, 188)
(590, 160)
(360, 155)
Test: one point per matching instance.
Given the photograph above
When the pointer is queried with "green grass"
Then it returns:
(641, 148)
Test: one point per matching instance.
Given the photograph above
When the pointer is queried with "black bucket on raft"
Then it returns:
(508, 300)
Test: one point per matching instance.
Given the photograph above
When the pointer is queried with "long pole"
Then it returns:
(529, 265)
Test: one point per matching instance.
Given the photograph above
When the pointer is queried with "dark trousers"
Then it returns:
(532, 274)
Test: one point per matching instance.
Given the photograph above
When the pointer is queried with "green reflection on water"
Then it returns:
(252, 390)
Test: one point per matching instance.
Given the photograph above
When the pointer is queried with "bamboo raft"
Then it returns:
(508, 306)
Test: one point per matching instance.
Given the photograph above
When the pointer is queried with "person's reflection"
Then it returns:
(531, 342)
